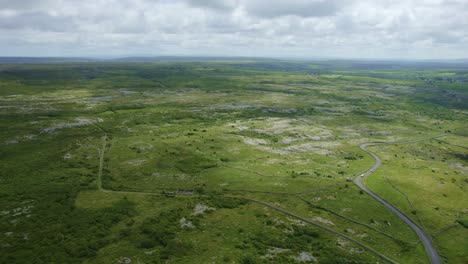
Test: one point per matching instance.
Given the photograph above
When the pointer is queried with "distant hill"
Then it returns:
(188, 58)
(33, 60)
(39, 60)
(285, 63)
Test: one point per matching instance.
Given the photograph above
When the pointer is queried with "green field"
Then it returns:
(163, 162)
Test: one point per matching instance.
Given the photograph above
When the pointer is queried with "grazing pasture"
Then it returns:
(164, 162)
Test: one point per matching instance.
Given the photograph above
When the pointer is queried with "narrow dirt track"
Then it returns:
(430, 249)
(99, 184)
(389, 260)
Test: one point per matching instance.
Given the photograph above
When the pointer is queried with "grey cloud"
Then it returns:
(306, 28)
(301, 8)
(36, 20)
(213, 4)
(444, 37)
(25, 4)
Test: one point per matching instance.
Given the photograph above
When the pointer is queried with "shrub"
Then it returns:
(249, 259)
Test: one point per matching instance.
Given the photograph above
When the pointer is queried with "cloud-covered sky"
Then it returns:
(390, 29)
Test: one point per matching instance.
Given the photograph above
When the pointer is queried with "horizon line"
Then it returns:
(294, 58)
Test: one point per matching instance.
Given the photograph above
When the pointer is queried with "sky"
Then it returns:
(358, 29)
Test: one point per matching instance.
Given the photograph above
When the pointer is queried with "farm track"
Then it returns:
(101, 188)
(430, 249)
(101, 165)
(321, 227)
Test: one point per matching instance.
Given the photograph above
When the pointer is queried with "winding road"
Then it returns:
(430, 249)
(102, 189)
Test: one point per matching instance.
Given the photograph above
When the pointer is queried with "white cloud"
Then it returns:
(300, 28)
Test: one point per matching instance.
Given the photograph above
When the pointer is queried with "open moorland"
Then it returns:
(232, 161)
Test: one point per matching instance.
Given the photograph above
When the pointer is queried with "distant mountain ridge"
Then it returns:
(463, 62)
(32, 60)
(39, 60)
(188, 58)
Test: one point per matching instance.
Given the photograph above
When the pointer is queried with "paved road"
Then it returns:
(432, 253)
(430, 249)
(100, 188)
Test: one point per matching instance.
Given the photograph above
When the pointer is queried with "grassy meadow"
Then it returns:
(188, 144)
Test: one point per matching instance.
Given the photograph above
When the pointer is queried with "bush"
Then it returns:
(230, 203)
(176, 248)
(147, 243)
(249, 259)
(463, 222)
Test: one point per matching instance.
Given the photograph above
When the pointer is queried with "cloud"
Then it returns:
(26, 4)
(299, 28)
(301, 8)
(224, 5)
(36, 20)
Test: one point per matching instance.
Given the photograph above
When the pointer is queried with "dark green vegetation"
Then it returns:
(187, 142)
